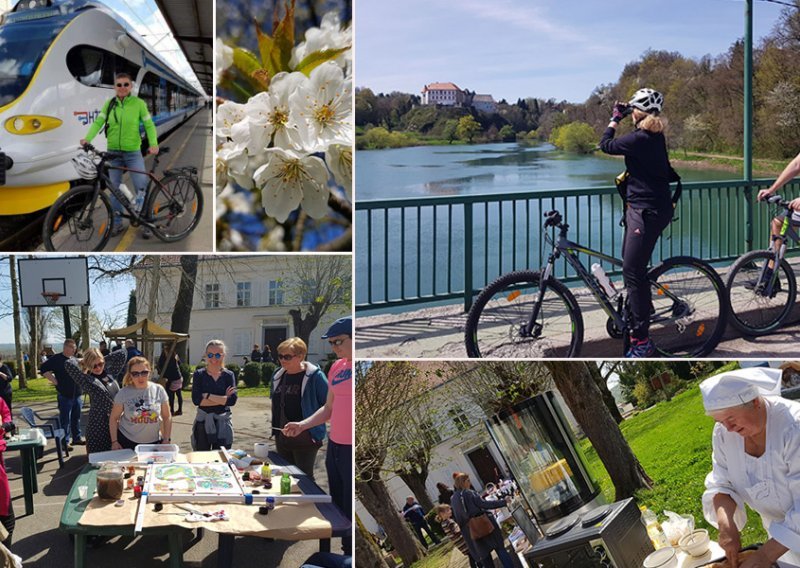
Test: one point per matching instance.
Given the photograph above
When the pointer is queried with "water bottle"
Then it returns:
(603, 279)
(126, 192)
(138, 202)
(653, 527)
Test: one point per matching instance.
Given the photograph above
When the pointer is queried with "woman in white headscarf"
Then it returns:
(756, 462)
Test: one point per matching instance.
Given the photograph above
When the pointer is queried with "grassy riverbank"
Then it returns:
(764, 168)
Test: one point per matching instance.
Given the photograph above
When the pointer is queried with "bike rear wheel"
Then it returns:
(175, 208)
(496, 320)
(759, 305)
(690, 308)
(73, 225)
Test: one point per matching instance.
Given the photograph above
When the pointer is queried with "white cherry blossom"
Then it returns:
(228, 114)
(330, 35)
(325, 104)
(271, 116)
(340, 161)
(224, 57)
(288, 180)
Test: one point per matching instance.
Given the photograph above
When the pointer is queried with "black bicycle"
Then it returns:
(761, 284)
(81, 220)
(528, 314)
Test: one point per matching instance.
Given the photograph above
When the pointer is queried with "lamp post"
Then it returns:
(748, 122)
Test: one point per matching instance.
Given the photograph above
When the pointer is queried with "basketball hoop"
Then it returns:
(51, 297)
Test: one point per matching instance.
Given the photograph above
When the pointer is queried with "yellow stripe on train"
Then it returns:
(22, 200)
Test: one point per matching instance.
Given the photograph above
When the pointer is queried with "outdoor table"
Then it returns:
(27, 452)
(687, 561)
(74, 509)
(339, 523)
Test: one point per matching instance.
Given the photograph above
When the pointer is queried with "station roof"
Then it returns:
(192, 24)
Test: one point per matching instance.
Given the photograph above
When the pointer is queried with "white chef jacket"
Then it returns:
(770, 484)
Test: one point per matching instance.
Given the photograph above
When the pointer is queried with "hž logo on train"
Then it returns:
(59, 59)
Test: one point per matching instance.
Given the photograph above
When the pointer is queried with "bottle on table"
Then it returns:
(654, 530)
(286, 484)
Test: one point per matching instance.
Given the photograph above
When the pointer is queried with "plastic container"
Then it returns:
(604, 280)
(695, 543)
(654, 531)
(662, 558)
(157, 453)
(110, 482)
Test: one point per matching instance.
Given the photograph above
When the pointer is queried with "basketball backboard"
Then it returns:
(49, 281)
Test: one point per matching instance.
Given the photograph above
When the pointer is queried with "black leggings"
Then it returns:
(172, 394)
(643, 227)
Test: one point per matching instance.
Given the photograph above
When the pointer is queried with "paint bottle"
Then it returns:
(270, 503)
(266, 471)
(286, 484)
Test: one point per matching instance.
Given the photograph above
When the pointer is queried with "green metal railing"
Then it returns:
(442, 249)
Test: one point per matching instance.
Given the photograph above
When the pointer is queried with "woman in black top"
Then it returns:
(6, 376)
(649, 203)
(174, 379)
(95, 375)
(213, 392)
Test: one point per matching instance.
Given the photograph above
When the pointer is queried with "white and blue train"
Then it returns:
(57, 65)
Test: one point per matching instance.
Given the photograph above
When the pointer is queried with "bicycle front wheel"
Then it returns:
(75, 224)
(760, 303)
(175, 207)
(690, 308)
(496, 322)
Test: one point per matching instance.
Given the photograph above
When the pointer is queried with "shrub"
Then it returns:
(235, 369)
(574, 137)
(267, 370)
(186, 373)
(252, 374)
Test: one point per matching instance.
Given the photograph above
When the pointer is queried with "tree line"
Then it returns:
(703, 103)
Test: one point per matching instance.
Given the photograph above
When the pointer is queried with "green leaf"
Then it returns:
(265, 47)
(283, 41)
(317, 58)
(245, 61)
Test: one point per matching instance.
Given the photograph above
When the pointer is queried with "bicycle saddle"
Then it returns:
(163, 150)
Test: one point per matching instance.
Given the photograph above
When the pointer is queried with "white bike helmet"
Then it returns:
(647, 100)
(85, 166)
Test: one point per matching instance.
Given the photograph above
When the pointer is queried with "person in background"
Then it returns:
(130, 347)
(791, 171)
(69, 396)
(43, 356)
(96, 375)
(338, 409)
(213, 392)
(255, 354)
(299, 389)
(6, 376)
(413, 513)
(117, 345)
(444, 515)
(140, 414)
(266, 355)
(791, 374)
(174, 379)
(103, 347)
(445, 493)
(466, 503)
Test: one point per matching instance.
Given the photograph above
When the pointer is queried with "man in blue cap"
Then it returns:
(338, 409)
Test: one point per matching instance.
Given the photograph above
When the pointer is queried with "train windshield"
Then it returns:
(22, 46)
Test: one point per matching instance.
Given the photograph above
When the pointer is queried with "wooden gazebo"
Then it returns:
(147, 332)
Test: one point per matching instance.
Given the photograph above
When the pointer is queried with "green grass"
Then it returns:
(439, 557)
(672, 441)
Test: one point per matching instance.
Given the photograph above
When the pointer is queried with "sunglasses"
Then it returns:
(99, 365)
(286, 356)
(214, 355)
(139, 373)
(123, 84)
(336, 342)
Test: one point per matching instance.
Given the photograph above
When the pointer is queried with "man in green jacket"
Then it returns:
(123, 119)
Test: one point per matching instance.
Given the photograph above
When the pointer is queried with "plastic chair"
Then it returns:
(50, 432)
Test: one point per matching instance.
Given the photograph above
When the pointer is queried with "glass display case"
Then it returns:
(537, 444)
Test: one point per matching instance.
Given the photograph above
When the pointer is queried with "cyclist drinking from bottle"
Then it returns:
(649, 205)
(122, 116)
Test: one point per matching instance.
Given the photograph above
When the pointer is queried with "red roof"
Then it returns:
(441, 87)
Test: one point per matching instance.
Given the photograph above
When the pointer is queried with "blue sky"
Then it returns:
(559, 49)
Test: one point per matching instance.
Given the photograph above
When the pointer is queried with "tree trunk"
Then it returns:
(367, 552)
(15, 308)
(608, 398)
(575, 383)
(375, 498)
(416, 482)
(152, 303)
(304, 326)
(85, 339)
(182, 313)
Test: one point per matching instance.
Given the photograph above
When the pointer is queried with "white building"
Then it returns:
(484, 103)
(241, 300)
(447, 94)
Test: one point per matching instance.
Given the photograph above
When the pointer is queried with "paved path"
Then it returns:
(39, 542)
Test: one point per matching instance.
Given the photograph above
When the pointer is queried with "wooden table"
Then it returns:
(339, 523)
(27, 452)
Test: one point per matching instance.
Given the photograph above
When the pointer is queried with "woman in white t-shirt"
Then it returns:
(141, 409)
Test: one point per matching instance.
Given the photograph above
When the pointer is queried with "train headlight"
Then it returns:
(31, 124)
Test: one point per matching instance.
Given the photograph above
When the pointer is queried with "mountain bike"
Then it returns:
(81, 220)
(762, 296)
(528, 314)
